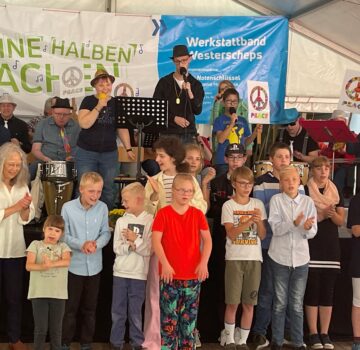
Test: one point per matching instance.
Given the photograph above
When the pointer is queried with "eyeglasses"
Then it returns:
(61, 114)
(243, 184)
(178, 61)
(231, 101)
(183, 191)
(290, 124)
(235, 157)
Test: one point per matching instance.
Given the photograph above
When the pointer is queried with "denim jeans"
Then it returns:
(104, 163)
(128, 299)
(289, 289)
(265, 297)
(48, 315)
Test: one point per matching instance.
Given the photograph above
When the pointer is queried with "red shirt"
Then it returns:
(181, 239)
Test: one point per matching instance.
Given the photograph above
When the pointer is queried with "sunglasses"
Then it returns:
(290, 124)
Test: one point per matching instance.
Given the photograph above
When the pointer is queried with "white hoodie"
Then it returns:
(129, 263)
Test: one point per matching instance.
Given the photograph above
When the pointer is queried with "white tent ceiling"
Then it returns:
(323, 40)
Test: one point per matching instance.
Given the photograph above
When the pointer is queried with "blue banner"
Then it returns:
(232, 48)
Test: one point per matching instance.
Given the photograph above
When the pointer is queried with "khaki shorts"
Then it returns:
(242, 281)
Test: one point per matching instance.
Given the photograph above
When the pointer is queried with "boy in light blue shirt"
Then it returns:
(86, 232)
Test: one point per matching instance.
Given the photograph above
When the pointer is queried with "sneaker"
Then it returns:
(315, 342)
(326, 341)
(260, 341)
(355, 346)
(197, 339)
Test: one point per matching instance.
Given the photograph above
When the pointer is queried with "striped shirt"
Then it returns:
(168, 181)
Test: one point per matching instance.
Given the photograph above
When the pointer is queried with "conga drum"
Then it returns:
(262, 167)
(58, 184)
(303, 169)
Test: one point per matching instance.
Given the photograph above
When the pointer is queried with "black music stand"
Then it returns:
(331, 131)
(145, 114)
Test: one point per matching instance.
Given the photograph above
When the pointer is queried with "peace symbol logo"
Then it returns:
(352, 89)
(259, 98)
(124, 90)
(72, 77)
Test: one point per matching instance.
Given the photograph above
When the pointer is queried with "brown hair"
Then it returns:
(194, 147)
(175, 149)
(228, 92)
(228, 83)
(320, 161)
(276, 146)
(244, 173)
(54, 221)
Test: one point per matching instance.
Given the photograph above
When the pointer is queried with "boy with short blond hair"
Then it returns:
(86, 233)
(178, 230)
(132, 246)
(293, 221)
(243, 218)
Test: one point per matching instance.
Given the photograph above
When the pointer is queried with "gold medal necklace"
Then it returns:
(176, 93)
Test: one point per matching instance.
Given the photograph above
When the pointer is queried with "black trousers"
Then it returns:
(83, 296)
(11, 290)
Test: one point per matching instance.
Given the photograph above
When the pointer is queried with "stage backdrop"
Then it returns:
(47, 52)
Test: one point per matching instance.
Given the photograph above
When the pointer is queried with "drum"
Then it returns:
(58, 171)
(303, 169)
(56, 194)
(262, 167)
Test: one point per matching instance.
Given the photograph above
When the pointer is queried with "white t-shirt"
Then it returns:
(247, 246)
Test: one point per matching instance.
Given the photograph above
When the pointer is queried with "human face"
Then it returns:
(193, 157)
(52, 234)
(242, 187)
(166, 163)
(223, 87)
(321, 174)
(90, 193)
(182, 192)
(12, 167)
(131, 202)
(280, 159)
(235, 161)
(61, 116)
(231, 101)
(103, 85)
(182, 61)
(290, 182)
(293, 129)
(7, 110)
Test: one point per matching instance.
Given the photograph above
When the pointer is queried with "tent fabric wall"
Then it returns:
(315, 72)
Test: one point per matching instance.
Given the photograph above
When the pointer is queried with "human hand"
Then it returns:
(256, 217)
(167, 273)
(259, 128)
(299, 155)
(46, 262)
(181, 121)
(131, 155)
(132, 246)
(154, 184)
(209, 176)
(308, 223)
(129, 235)
(330, 211)
(233, 118)
(298, 219)
(24, 203)
(202, 271)
(15, 141)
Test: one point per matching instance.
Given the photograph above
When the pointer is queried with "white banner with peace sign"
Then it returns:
(258, 102)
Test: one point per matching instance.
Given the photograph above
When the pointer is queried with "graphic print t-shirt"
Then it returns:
(247, 245)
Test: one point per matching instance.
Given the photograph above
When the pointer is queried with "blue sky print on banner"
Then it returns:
(233, 48)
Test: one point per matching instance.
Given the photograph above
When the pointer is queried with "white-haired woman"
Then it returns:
(16, 210)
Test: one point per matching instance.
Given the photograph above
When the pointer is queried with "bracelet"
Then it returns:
(96, 110)
(129, 150)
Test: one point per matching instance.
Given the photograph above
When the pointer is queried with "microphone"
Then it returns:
(183, 72)
(232, 110)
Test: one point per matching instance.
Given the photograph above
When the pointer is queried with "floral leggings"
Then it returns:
(179, 302)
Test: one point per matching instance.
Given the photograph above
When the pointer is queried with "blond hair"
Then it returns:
(90, 177)
(135, 188)
(22, 178)
(320, 161)
(287, 169)
(194, 147)
(183, 177)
